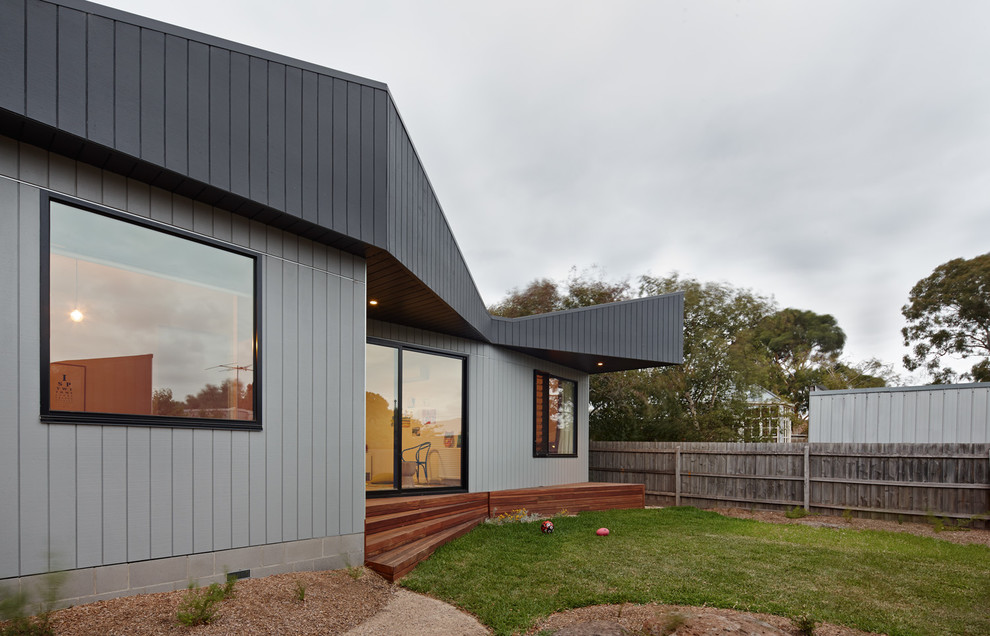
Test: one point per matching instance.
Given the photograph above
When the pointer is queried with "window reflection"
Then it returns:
(381, 400)
(429, 411)
(147, 323)
(432, 435)
(555, 409)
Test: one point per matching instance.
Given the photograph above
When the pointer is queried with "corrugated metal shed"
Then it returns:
(951, 413)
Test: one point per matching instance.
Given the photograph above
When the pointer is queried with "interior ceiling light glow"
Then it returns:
(76, 315)
(601, 364)
(372, 302)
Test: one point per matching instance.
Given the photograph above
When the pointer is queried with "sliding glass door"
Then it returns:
(414, 419)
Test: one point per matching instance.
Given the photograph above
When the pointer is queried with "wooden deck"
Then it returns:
(402, 531)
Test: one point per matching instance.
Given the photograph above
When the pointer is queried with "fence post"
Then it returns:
(677, 476)
(807, 479)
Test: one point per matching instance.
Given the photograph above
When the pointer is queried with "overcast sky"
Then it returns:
(830, 154)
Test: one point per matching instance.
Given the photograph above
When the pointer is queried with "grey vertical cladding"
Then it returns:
(127, 88)
(220, 117)
(293, 141)
(258, 109)
(81, 496)
(240, 124)
(152, 96)
(500, 412)
(99, 80)
(276, 135)
(418, 233)
(310, 131)
(631, 329)
(935, 414)
(339, 145)
(259, 128)
(9, 351)
(176, 104)
(198, 96)
(42, 63)
(12, 51)
(325, 151)
(71, 70)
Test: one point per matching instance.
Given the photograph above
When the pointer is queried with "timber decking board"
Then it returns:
(388, 505)
(398, 562)
(383, 522)
(402, 531)
(571, 497)
(395, 537)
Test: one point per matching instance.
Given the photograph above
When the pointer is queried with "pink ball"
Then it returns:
(602, 532)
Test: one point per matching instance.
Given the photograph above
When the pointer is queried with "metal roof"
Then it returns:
(308, 149)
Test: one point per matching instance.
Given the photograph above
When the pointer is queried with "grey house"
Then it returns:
(234, 311)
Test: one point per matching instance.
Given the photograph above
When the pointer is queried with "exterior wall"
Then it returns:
(87, 585)
(77, 496)
(500, 412)
(947, 414)
(259, 129)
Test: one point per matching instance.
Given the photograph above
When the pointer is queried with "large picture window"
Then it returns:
(145, 325)
(555, 423)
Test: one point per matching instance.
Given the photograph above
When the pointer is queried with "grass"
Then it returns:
(899, 584)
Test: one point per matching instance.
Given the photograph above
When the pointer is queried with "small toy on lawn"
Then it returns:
(546, 527)
(602, 532)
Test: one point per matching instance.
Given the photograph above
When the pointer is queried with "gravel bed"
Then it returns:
(334, 602)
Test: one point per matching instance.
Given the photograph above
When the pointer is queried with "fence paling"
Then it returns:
(892, 479)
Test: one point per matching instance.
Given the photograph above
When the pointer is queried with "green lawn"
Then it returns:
(511, 575)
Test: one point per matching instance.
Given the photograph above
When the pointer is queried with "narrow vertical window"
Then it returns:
(555, 422)
(143, 323)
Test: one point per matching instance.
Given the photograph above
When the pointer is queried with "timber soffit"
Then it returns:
(210, 119)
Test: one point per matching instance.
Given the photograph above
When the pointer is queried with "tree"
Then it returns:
(869, 374)
(802, 347)
(948, 313)
(705, 398)
(591, 287)
(539, 297)
(215, 401)
(163, 403)
(542, 296)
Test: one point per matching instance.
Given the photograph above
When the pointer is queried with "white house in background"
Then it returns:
(942, 414)
(768, 418)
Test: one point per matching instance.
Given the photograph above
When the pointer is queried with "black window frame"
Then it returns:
(124, 419)
(397, 489)
(545, 452)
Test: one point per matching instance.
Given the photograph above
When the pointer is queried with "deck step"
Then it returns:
(378, 507)
(378, 542)
(402, 531)
(383, 522)
(397, 562)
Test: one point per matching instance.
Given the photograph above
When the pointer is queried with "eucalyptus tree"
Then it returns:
(948, 314)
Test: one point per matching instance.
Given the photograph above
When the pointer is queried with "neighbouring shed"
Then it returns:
(951, 413)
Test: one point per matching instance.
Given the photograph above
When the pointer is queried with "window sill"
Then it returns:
(115, 419)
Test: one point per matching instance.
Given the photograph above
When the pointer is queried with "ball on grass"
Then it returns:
(602, 532)
(546, 527)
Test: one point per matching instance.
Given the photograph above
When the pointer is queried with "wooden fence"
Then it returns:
(889, 481)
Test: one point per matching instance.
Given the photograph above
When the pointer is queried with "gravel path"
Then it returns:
(411, 614)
